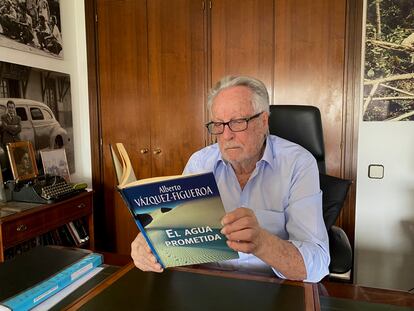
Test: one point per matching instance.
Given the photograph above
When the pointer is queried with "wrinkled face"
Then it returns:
(238, 147)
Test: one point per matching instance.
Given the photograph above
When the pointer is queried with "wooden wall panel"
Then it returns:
(309, 64)
(177, 82)
(242, 39)
(123, 88)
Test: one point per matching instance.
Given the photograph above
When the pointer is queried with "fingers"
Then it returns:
(143, 258)
(237, 214)
(242, 230)
(241, 246)
(239, 219)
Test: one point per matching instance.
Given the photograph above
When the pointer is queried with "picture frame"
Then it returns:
(22, 160)
(55, 163)
(32, 26)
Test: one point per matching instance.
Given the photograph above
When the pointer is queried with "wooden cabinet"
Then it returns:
(37, 220)
(152, 90)
(242, 39)
(157, 59)
(310, 65)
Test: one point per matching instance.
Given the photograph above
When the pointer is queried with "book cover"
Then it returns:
(32, 277)
(179, 216)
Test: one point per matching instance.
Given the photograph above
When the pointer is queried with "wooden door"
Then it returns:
(242, 40)
(177, 72)
(124, 109)
(309, 64)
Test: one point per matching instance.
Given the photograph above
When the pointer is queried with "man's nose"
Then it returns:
(227, 132)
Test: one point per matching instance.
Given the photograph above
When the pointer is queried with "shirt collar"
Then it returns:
(268, 156)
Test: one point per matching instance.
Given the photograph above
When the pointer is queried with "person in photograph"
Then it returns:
(42, 32)
(23, 162)
(54, 40)
(31, 7)
(43, 9)
(24, 25)
(8, 19)
(10, 125)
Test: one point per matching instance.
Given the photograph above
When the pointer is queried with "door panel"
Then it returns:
(309, 64)
(177, 76)
(124, 110)
(242, 40)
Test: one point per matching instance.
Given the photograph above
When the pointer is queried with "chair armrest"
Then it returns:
(340, 251)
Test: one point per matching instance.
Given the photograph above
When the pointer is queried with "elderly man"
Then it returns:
(269, 187)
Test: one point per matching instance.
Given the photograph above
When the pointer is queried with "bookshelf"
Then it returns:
(30, 224)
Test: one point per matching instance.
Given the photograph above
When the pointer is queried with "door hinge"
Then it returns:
(211, 4)
(96, 18)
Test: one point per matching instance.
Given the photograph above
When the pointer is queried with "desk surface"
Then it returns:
(190, 289)
(184, 288)
(339, 296)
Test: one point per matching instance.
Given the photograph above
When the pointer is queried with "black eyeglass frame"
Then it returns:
(223, 124)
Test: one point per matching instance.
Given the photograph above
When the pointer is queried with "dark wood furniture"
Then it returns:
(189, 288)
(36, 219)
(344, 293)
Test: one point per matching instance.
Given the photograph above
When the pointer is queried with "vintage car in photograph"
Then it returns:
(38, 122)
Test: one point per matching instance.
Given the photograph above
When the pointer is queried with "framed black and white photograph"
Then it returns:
(389, 61)
(55, 163)
(36, 106)
(32, 26)
(22, 160)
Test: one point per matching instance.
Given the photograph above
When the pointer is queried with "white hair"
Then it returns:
(260, 96)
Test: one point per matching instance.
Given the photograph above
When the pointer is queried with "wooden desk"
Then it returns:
(348, 297)
(196, 289)
(35, 219)
(176, 289)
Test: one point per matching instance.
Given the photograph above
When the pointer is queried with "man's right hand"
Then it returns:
(143, 258)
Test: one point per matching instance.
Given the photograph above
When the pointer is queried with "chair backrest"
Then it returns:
(301, 125)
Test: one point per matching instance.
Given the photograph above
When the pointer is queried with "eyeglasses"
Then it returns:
(236, 125)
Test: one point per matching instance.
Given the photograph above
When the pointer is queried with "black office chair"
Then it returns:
(303, 125)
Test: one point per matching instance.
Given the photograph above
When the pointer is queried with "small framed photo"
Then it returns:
(22, 160)
(55, 163)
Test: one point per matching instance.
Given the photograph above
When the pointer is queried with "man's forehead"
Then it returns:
(233, 99)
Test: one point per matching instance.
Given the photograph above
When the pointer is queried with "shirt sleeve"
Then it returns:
(191, 167)
(304, 221)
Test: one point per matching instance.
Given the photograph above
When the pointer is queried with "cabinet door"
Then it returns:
(242, 39)
(177, 69)
(124, 109)
(309, 64)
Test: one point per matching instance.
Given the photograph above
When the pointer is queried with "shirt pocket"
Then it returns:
(272, 221)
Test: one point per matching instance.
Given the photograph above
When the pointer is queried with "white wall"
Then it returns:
(74, 64)
(384, 224)
(384, 255)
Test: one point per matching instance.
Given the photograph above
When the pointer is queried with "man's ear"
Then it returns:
(265, 118)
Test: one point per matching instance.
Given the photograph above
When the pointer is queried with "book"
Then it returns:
(34, 276)
(73, 230)
(179, 216)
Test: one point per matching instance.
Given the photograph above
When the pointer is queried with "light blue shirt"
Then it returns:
(283, 191)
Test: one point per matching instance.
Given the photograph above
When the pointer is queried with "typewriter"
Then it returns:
(45, 189)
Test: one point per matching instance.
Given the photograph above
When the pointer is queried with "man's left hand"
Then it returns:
(242, 230)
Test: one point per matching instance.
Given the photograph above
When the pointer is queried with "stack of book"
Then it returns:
(29, 279)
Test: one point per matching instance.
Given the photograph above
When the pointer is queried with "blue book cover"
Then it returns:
(33, 296)
(180, 218)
